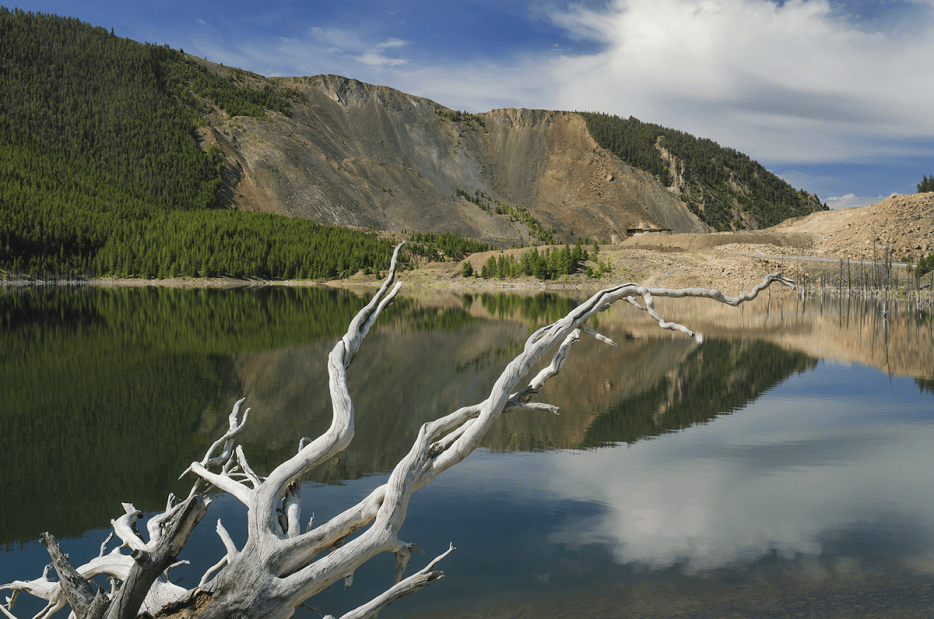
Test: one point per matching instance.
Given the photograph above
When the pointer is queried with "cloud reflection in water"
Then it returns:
(793, 474)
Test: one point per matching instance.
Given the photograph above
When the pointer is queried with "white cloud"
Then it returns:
(853, 201)
(347, 52)
(795, 82)
(372, 59)
(799, 178)
(338, 38)
(475, 87)
(339, 51)
(393, 43)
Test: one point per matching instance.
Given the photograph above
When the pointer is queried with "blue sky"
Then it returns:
(835, 96)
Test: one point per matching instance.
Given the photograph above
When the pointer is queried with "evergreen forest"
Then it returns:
(549, 264)
(101, 172)
(728, 179)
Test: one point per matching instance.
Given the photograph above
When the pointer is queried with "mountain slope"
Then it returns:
(363, 155)
(724, 187)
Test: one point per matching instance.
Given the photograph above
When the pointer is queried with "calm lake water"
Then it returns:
(780, 468)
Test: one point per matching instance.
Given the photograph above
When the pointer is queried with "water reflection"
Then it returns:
(789, 475)
(813, 500)
(714, 379)
(771, 453)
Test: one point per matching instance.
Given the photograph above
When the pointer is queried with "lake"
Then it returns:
(782, 467)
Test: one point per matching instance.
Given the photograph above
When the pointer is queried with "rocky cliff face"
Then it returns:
(370, 156)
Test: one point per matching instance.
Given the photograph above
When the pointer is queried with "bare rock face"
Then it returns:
(373, 157)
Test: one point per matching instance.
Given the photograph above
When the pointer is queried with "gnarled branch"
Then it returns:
(279, 567)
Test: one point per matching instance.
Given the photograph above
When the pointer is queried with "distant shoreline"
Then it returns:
(656, 266)
(733, 263)
(173, 282)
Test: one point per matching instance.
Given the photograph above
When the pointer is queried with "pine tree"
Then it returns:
(926, 185)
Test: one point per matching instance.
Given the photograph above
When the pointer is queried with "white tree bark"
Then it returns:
(280, 566)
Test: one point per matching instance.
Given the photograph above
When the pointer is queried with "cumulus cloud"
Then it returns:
(797, 82)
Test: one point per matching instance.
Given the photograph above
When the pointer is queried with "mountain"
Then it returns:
(356, 154)
(118, 158)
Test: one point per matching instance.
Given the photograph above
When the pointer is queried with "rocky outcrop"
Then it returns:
(370, 156)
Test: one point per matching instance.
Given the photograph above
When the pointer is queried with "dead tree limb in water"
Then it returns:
(282, 564)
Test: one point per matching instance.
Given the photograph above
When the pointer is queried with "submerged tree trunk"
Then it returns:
(283, 564)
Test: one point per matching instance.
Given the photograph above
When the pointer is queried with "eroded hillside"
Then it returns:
(904, 223)
(370, 156)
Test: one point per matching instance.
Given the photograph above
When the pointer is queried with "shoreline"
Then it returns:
(720, 267)
(730, 261)
(656, 266)
(733, 268)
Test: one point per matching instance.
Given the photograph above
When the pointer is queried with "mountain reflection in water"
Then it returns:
(780, 467)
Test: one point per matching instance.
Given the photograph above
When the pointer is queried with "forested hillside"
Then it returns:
(722, 186)
(101, 172)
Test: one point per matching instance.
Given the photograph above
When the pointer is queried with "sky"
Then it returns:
(834, 96)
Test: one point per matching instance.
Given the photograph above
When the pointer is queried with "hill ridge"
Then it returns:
(145, 143)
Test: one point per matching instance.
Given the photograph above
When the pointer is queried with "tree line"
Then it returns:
(201, 244)
(458, 117)
(769, 199)
(544, 265)
(101, 172)
(924, 266)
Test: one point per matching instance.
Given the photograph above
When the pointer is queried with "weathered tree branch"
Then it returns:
(76, 588)
(279, 566)
(141, 573)
(149, 563)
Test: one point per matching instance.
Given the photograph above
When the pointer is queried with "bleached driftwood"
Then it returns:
(280, 566)
(143, 573)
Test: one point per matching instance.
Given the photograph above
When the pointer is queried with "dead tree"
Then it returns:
(283, 564)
